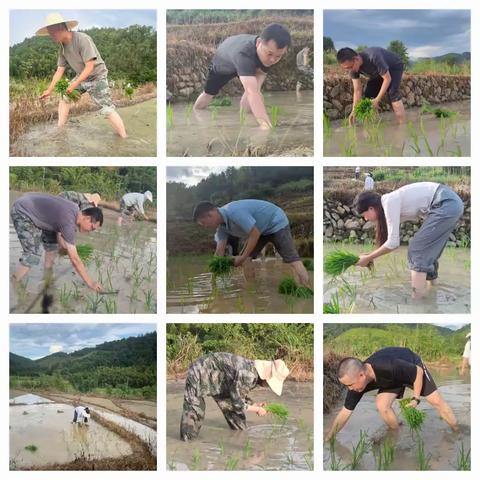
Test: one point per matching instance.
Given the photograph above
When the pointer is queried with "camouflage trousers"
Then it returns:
(127, 211)
(32, 238)
(99, 92)
(194, 412)
(306, 71)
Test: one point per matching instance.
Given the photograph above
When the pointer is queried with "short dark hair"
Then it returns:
(201, 209)
(95, 214)
(346, 54)
(87, 409)
(278, 33)
(348, 366)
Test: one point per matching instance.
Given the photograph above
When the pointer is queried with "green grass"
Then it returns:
(431, 66)
(364, 110)
(220, 265)
(61, 89)
(336, 262)
(278, 410)
(412, 416)
(85, 252)
(31, 448)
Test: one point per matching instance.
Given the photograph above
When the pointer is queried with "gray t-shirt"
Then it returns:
(238, 54)
(376, 62)
(50, 213)
(78, 52)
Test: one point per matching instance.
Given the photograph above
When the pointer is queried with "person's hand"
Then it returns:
(238, 261)
(265, 126)
(45, 94)
(70, 88)
(96, 287)
(413, 404)
(351, 119)
(261, 404)
(365, 260)
(261, 412)
(376, 104)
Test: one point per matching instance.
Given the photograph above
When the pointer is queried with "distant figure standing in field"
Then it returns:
(79, 52)
(384, 70)
(466, 361)
(303, 66)
(51, 221)
(83, 200)
(389, 370)
(248, 57)
(228, 379)
(258, 222)
(131, 205)
(369, 182)
(357, 173)
(439, 206)
(81, 415)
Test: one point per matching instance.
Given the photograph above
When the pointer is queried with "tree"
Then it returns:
(361, 48)
(328, 44)
(397, 47)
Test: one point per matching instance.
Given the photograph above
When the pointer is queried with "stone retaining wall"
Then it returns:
(416, 90)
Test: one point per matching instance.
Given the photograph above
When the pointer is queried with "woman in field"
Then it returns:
(441, 209)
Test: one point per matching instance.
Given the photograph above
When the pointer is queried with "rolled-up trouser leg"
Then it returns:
(428, 243)
(235, 418)
(193, 412)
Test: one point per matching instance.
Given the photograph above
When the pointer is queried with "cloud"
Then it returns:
(191, 176)
(55, 348)
(425, 51)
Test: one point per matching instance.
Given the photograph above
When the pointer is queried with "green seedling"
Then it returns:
(31, 448)
(385, 456)
(242, 116)
(358, 451)
(274, 113)
(221, 102)
(169, 116)
(220, 265)
(85, 252)
(288, 286)
(332, 307)
(308, 264)
(231, 463)
(422, 458)
(463, 459)
(129, 90)
(327, 127)
(195, 460)
(61, 89)
(438, 112)
(334, 463)
(364, 110)
(247, 448)
(278, 411)
(412, 416)
(336, 262)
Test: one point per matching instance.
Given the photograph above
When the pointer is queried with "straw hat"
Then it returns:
(274, 372)
(55, 19)
(468, 335)
(148, 195)
(93, 198)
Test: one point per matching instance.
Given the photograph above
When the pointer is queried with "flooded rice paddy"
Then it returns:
(124, 262)
(442, 445)
(387, 289)
(263, 446)
(223, 131)
(422, 135)
(91, 135)
(192, 289)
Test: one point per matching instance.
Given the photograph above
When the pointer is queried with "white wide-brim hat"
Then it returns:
(274, 372)
(54, 19)
(148, 195)
(94, 198)
(468, 335)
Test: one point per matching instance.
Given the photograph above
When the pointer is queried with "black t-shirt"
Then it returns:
(376, 62)
(393, 366)
(238, 54)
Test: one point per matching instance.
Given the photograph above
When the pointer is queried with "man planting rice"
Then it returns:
(248, 57)
(441, 209)
(131, 205)
(389, 370)
(79, 52)
(257, 221)
(228, 379)
(384, 70)
(81, 415)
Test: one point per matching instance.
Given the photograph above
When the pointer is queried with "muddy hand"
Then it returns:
(261, 412)
(45, 95)
(96, 287)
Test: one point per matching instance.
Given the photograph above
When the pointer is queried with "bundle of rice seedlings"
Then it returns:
(278, 410)
(61, 89)
(336, 262)
(304, 292)
(221, 102)
(364, 110)
(437, 111)
(308, 264)
(288, 286)
(85, 252)
(220, 265)
(412, 416)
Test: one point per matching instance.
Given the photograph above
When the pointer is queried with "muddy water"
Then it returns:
(445, 137)
(48, 427)
(440, 442)
(91, 135)
(261, 447)
(124, 260)
(220, 131)
(192, 289)
(28, 399)
(387, 288)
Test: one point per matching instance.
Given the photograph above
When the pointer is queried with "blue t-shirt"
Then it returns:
(241, 216)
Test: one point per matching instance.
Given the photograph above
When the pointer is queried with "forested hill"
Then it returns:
(130, 54)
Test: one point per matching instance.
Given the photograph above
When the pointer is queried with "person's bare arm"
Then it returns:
(80, 268)
(255, 100)
(56, 77)
(367, 258)
(249, 246)
(357, 95)
(221, 246)
(84, 74)
(417, 386)
(259, 410)
(340, 420)
(387, 80)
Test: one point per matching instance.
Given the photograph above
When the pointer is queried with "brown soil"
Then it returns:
(332, 388)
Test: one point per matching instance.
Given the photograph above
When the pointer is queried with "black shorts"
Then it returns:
(283, 242)
(393, 91)
(428, 386)
(215, 81)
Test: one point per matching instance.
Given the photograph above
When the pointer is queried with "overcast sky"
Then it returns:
(37, 340)
(426, 33)
(191, 175)
(24, 23)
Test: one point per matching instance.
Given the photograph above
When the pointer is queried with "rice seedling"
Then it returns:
(412, 416)
(188, 111)
(327, 127)
(93, 303)
(231, 463)
(169, 116)
(288, 286)
(149, 301)
(425, 138)
(31, 448)
(364, 110)
(308, 264)
(332, 307)
(463, 459)
(384, 456)
(413, 134)
(221, 102)
(334, 463)
(220, 265)
(423, 459)
(242, 116)
(196, 458)
(437, 111)
(129, 90)
(85, 252)
(359, 450)
(278, 411)
(61, 89)
(110, 305)
(65, 296)
(336, 262)
(247, 448)
(214, 114)
(221, 447)
(274, 113)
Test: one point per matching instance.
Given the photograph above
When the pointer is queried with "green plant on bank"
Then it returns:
(384, 456)
(288, 286)
(364, 110)
(85, 252)
(220, 265)
(169, 116)
(274, 113)
(31, 448)
(423, 459)
(278, 411)
(412, 416)
(463, 459)
(221, 102)
(61, 89)
(336, 262)
(359, 450)
(308, 264)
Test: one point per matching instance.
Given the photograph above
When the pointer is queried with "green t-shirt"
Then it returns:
(78, 52)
